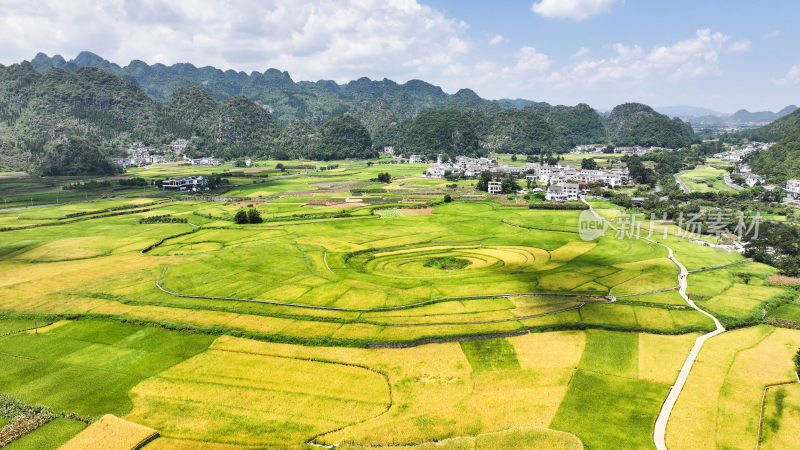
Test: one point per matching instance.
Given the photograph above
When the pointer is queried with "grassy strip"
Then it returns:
(345, 342)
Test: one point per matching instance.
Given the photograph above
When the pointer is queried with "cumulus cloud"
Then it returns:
(581, 53)
(740, 46)
(697, 57)
(312, 40)
(528, 67)
(496, 39)
(791, 78)
(572, 9)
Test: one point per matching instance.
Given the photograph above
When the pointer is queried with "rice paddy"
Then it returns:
(365, 314)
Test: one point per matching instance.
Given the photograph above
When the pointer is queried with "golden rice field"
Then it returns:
(463, 325)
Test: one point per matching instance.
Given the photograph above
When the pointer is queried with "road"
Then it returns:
(680, 182)
(730, 183)
(660, 430)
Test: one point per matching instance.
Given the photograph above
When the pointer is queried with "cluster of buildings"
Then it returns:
(637, 150)
(737, 154)
(470, 167)
(140, 155)
(193, 183)
(640, 150)
(750, 179)
(563, 173)
(542, 173)
(205, 161)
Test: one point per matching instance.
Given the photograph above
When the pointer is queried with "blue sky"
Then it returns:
(723, 55)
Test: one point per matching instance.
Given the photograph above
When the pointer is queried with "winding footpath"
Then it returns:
(660, 430)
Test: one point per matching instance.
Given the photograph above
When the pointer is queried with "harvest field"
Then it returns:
(368, 314)
(705, 179)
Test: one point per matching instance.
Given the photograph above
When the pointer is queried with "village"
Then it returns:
(562, 181)
(140, 155)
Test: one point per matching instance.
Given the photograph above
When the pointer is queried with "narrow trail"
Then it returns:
(660, 430)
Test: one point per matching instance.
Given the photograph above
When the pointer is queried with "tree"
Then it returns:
(513, 157)
(253, 216)
(483, 181)
(344, 137)
(508, 186)
(588, 164)
(608, 149)
(447, 198)
(384, 177)
(240, 217)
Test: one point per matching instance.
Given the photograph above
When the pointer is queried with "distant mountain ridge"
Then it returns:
(707, 117)
(229, 114)
(314, 101)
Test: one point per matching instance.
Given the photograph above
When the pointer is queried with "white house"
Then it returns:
(416, 159)
(793, 188)
(494, 187)
(192, 183)
(752, 179)
(562, 192)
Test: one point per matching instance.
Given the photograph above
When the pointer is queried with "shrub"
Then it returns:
(253, 216)
(165, 218)
(796, 360)
(240, 217)
(447, 198)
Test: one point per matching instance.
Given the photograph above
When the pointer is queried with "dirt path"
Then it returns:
(659, 432)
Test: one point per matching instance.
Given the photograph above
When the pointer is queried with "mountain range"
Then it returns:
(703, 117)
(266, 114)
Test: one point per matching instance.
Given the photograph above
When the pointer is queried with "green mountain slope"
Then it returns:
(638, 124)
(775, 130)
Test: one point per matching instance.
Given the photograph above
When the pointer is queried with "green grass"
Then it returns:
(490, 354)
(88, 367)
(51, 435)
(610, 412)
(705, 179)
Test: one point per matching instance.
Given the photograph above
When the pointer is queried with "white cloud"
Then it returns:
(697, 57)
(740, 46)
(316, 39)
(791, 78)
(529, 66)
(572, 9)
(772, 34)
(581, 53)
(496, 39)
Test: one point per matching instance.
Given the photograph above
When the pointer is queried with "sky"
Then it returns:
(719, 54)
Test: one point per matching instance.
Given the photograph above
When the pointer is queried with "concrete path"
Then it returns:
(680, 182)
(729, 182)
(660, 430)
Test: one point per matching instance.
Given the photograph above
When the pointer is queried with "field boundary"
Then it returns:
(763, 401)
(706, 269)
(611, 299)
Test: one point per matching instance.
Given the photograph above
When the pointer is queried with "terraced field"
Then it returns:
(463, 324)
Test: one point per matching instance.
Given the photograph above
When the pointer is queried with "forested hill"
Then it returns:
(314, 102)
(638, 124)
(775, 130)
(232, 115)
(781, 161)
